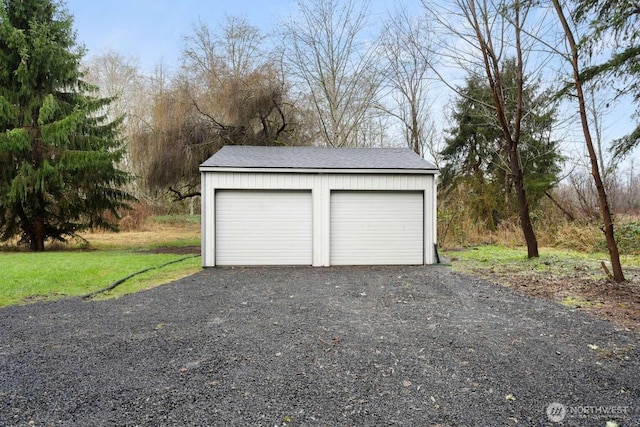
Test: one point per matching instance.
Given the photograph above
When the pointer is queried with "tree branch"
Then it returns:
(180, 196)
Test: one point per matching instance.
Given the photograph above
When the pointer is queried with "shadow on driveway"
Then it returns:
(412, 346)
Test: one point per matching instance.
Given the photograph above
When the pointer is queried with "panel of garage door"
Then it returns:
(263, 228)
(376, 228)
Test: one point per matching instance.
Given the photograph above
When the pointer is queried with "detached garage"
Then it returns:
(317, 206)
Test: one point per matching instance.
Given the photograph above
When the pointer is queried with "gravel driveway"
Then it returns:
(361, 346)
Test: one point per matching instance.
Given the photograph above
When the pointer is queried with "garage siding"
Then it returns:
(374, 227)
(319, 187)
(263, 227)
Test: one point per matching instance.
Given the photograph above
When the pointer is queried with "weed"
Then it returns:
(576, 302)
(135, 219)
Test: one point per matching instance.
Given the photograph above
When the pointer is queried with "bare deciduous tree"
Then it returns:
(408, 56)
(573, 56)
(117, 76)
(235, 52)
(324, 50)
(227, 92)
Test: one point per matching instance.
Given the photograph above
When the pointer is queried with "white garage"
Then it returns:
(317, 206)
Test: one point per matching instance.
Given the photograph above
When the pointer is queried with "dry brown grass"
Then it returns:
(463, 231)
(583, 238)
(574, 236)
(146, 234)
(136, 218)
(150, 235)
(457, 228)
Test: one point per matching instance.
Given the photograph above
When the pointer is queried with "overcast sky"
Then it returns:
(153, 31)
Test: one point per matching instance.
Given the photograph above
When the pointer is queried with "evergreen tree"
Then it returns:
(615, 26)
(475, 155)
(58, 151)
(472, 152)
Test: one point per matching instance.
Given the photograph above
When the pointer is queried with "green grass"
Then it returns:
(65, 270)
(572, 301)
(556, 262)
(177, 219)
(28, 277)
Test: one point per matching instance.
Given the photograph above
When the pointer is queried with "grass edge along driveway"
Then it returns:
(28, 277)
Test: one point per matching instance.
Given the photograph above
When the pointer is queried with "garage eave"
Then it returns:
(320, 170)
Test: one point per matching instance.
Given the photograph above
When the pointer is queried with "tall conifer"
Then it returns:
(475, 157)
(58, 151)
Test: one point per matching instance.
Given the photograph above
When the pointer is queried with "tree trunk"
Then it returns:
(514, 156)
(523, 204)
(507, 193)
(605, 210)
(511, 137)
(38, 236)
(415, 134)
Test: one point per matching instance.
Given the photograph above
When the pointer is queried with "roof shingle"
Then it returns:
(243, 156)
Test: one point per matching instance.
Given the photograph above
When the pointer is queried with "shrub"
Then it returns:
(628, 237)
(135, 218)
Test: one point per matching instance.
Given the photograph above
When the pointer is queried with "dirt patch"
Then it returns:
(608, 300)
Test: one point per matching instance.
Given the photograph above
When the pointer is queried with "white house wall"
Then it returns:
(321, 185)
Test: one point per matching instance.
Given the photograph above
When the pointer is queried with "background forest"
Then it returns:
(520, 104)
(447, 83)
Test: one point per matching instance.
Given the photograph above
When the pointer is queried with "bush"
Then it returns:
(628, 237)
(135, 218)
(577, 237)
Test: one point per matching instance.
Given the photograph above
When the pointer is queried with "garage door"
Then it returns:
(263, 228)
(376, 228)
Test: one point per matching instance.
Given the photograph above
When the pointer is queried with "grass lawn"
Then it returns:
(574, 279)
(556, 262)
(63, 270)
(49, 275)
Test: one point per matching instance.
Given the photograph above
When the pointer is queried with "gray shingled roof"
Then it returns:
(243, 156)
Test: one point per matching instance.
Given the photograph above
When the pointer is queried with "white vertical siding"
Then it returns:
(433, 218)
(236, 180)
(324, 212)
(207, 221)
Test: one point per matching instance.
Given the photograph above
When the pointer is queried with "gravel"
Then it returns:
(285, 346)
